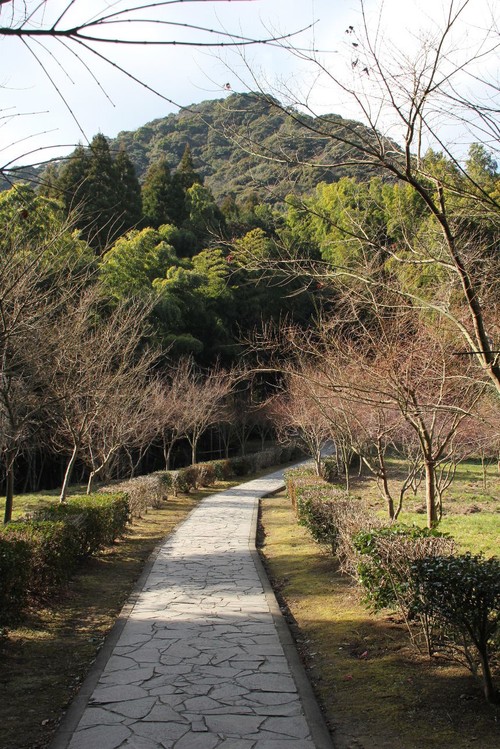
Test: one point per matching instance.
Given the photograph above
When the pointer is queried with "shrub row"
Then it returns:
(450, 602)
(153, 489)
(206, 474)
(143, 491)
(37, 556)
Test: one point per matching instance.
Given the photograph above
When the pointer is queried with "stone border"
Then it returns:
(71, 718)
(319, 731)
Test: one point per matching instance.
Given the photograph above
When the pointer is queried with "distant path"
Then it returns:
(204, 659)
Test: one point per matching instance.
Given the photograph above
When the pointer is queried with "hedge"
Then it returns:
(98, 519)
(206, 474)
(38, 556)
(143, 491)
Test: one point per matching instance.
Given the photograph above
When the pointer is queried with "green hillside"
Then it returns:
(245, 143)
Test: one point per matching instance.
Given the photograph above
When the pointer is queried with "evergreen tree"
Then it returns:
(104, 192)
(185, 173)
(204, 219)
(162, 201)
(103, 200)
(49, 182)
(129, 191)
(72, 182)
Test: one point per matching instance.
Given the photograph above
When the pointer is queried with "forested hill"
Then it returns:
(243, 144)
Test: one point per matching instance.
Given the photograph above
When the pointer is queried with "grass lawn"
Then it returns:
(375, 690)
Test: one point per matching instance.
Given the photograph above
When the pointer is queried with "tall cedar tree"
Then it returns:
(162, 198)
(104, 191)
(129, 190)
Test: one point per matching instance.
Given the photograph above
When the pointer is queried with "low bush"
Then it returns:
(330, 514)
(184, 479)
(461, 595)
(271, 457)
(206, 474)
(241, 465)
(299, 479)
(329, 469)
(15, 567)
(315, 511)
(222, 469)
(143, 491)
(99, 519)
(386, 556)
(37, 556)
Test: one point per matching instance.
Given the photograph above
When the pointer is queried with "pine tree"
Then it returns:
(72, 182)
(104, 192)
(49, 182)
(103, 208)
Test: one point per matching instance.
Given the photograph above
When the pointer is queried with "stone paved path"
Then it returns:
(199, 663)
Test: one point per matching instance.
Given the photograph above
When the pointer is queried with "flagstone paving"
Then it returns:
(199, 663)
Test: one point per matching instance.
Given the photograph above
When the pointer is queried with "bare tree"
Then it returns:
(298, 416)
(205, 398)
(403, 370)
(93, 357)
(36, 282)
(124, 421)
(172, 410)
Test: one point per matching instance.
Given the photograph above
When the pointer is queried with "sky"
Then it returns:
(50, 100)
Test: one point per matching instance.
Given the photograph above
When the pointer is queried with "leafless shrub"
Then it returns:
(143, 492)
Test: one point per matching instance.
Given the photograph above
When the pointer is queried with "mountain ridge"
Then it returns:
(243, 144)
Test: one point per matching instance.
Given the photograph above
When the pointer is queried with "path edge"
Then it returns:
(71, 718)
(320, 734)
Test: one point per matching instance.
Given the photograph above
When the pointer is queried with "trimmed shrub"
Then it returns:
(184, 479)
(15, 567)
(298, 479)
(329, 469)
(36, 558)
(241, 465)
(98, 519)
(143, 491)
(386, 556)
(222, 469)
(330, 514)
(206, 474)
(461, 594)
(315, 511)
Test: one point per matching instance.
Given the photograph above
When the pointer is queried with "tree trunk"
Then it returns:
(90, 482)
(9, 491)
(167, 452)
(317, 462)
(430, 493)
(67, 475)
(491, 694)
(383, 476)
(387, 494)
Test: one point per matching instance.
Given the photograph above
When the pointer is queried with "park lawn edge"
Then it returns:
(375, 691)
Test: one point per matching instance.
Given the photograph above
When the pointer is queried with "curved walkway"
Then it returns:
(204, 659)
